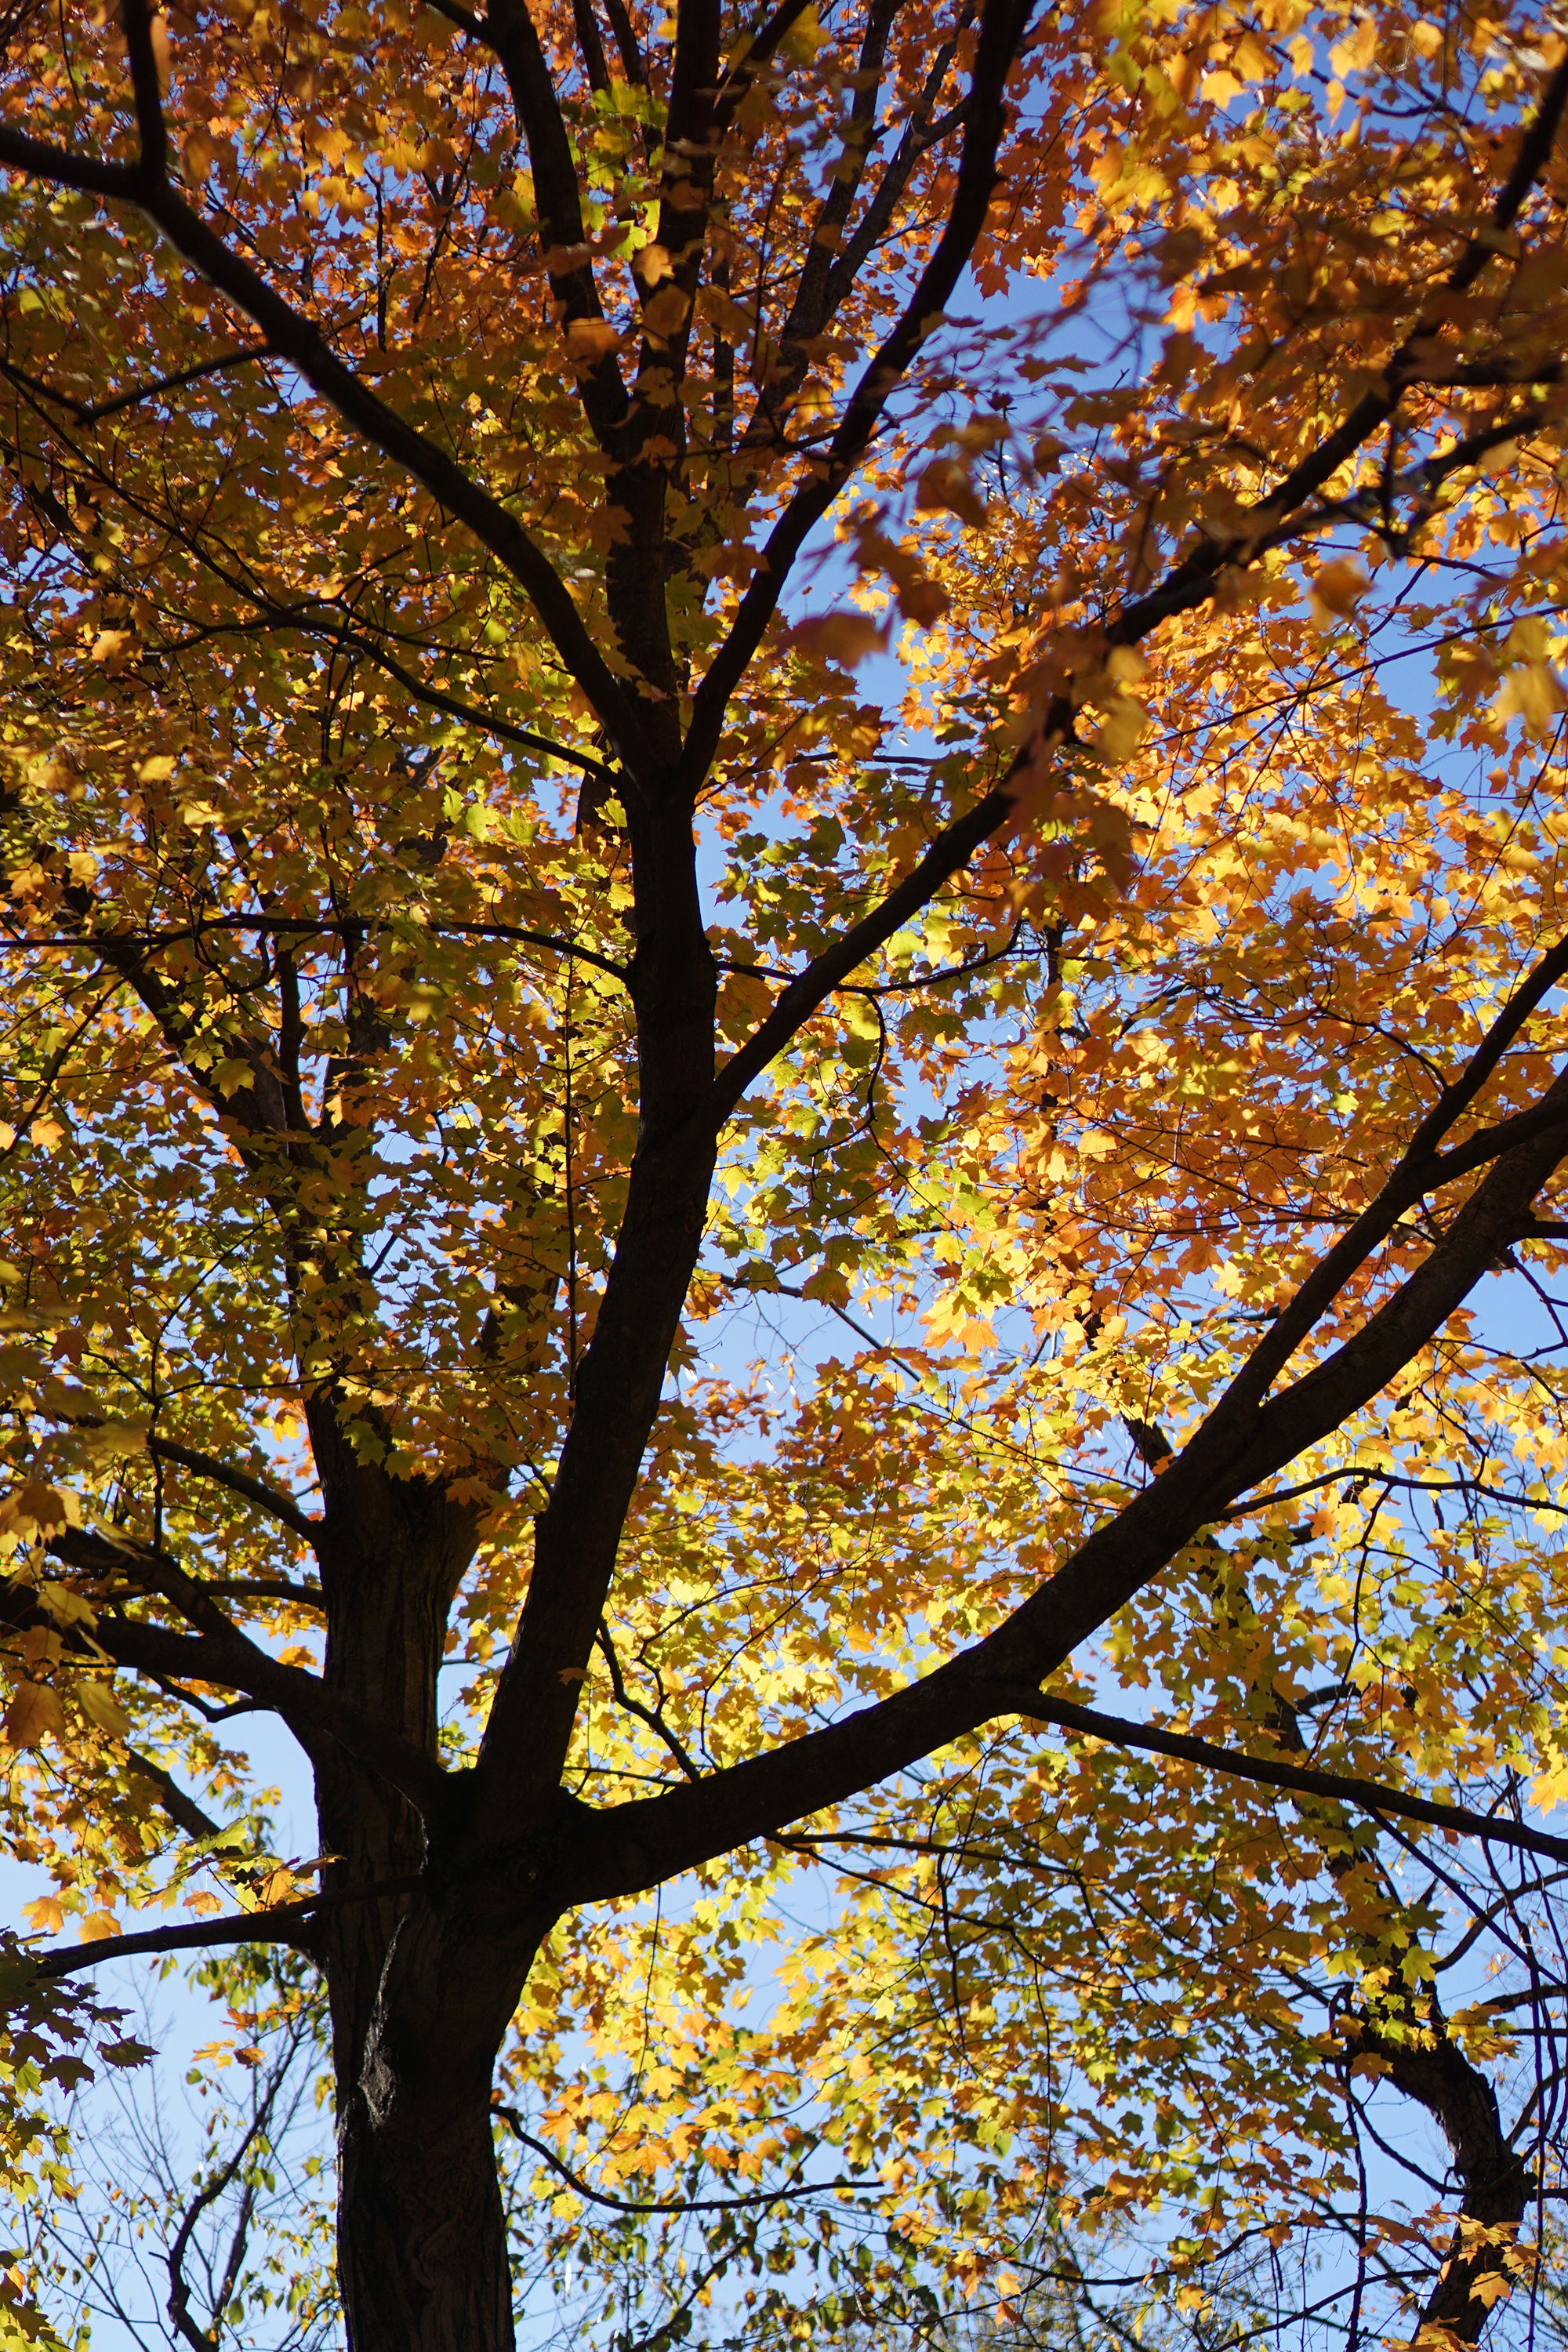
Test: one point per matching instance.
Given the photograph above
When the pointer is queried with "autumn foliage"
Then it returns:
(784, 1091)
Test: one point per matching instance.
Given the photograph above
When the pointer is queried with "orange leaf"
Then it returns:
(945, 487)
(843, 637)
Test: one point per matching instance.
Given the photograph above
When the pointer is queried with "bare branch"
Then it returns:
(203, 2340)
(794, 2187)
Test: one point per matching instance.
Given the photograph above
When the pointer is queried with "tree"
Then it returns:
(424, 430)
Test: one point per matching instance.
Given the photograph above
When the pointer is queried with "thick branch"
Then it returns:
(220, 1653)
(511, 30)
(283, 1923)
(178, 1803)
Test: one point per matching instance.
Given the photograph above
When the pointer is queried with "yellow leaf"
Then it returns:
(1337, 590)
(101, 1707)
(1123, 723)
(843, 636)
(35, 1507)
(199, 154)
(34, 1715)
(805, 37)
(1355, 53)
(47, 1916)
(97, 1925)
(666, 313)
(113, 648)
(588, 340)
(1533, 692)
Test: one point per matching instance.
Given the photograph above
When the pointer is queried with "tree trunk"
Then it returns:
(422, 2249)
(421, 1989)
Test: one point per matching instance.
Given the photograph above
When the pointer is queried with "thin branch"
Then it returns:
(1344, 1789)
(268, 1587)
(1189, 584)
(793, 2187)
(1376, 1477)
(181, 1807)
(280, 1507)
(650, 1715)
(308, 926)
(88, 412)
(280, 1924)
(179, 2307)
(948, 854)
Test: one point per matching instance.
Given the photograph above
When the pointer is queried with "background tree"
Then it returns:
(414, 423)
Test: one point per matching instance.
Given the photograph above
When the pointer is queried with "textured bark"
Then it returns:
(419, 2000)
(422, 2253)
(391, 1557)
(423, 2261)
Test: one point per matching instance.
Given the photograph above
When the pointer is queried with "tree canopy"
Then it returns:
(785, 1089)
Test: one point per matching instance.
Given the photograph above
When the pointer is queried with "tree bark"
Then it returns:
(422, 2247)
